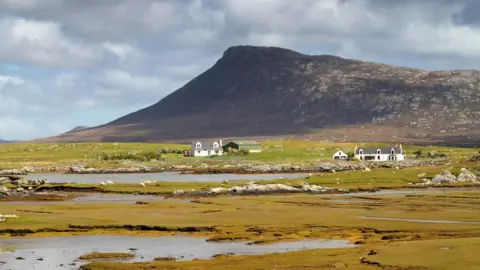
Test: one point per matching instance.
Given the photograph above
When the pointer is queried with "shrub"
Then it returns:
(235, 152)
(143, 156)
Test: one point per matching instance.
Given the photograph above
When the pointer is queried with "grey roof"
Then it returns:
(383, 150)
(206, 144)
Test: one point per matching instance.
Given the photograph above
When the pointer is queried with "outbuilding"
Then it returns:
(250, 146)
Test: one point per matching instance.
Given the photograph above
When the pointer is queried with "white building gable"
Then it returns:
(206, 148)
(390, 153)
(340, 155)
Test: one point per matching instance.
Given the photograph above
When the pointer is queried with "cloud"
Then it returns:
(64, 61)
(42, 43)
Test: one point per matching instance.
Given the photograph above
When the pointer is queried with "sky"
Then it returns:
(67, 63)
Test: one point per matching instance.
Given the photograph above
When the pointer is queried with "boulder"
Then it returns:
(421, 175)
(466, 176)
(178, 192)
(475, 157)
(445, 177)
(4, 180)
(4, 191)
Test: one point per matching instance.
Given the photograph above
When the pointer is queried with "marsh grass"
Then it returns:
(107, 256)
(265, 219)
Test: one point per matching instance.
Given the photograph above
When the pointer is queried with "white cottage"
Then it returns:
(206, 148)
(340, 155)
(389, 153)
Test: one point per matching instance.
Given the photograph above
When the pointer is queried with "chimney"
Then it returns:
(221, 143)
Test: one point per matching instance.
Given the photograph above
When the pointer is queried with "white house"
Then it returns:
(340, 155)
(206, 148)
(380, 153)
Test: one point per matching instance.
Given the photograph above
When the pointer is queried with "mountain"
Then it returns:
(4, 141)
(268, 91)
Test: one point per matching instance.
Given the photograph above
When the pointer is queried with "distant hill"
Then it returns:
(5, 141)
(268, 91)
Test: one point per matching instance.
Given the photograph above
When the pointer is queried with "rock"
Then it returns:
(367, 169)
(475, 157)
(20, 189)
(466, 176)
(421, 175)
(4, 180)
(20, 258)
(445, 177)
(12, 172)
(4, 189)
(178, 192)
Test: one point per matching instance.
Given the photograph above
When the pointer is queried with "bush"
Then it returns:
(235, 152)
(171, 151)
(143, 156)
(431, 155)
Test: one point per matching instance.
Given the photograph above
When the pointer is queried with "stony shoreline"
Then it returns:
(320, 167)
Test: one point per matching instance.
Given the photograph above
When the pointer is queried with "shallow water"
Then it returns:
(57, 251)
(105, 198)
(164, 176)
(424, 220)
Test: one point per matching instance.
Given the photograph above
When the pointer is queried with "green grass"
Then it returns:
(279, 151)
(15, 155)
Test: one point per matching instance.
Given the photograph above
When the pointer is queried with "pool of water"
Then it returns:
(105, 198)
(164, 176)
(61, 252)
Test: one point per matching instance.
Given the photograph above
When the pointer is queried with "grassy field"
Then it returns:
(273, 218)
(281, 151)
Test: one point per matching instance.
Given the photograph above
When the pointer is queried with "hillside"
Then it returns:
(268, 91)
(76, 129)
(4, 141)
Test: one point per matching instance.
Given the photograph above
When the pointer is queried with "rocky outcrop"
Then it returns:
(466, 176)
(5, 217)
(254, 188)
(4, 191)
(16, 180)
(475, 157)
(445, 177)
(12, 172)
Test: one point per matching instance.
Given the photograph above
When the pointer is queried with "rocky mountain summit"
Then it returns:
(269, 91)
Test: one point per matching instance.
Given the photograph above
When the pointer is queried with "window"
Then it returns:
(198, 145)
(360, 152)
(198, 151)
(393, 152)
(378, 157)
(215, 144)
(216, 151)
(378, 152)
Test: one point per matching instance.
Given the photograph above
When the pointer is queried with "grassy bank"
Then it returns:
(93, 154)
